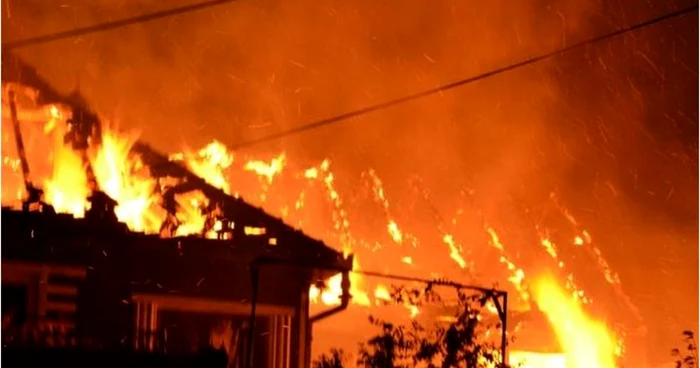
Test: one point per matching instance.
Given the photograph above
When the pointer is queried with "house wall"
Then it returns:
(122, 288)
(112, 281)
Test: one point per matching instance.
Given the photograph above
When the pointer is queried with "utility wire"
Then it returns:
(438, 282)
(459, 83)
(12, 45)
(352, 114)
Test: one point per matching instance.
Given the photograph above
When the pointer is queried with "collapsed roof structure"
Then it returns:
(118, 287)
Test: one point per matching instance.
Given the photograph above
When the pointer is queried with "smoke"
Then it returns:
(639, 128)
(254, 67)
(604, 128)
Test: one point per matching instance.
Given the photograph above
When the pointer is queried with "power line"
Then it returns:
(437, 282)
(459, 83)
(11, 45)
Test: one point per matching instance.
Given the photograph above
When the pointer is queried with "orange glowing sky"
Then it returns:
(612, 130)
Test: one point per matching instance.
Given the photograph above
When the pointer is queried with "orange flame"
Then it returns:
(67, 189)
(587, 343)
(209, 164)
(125, 179)
(190, 214)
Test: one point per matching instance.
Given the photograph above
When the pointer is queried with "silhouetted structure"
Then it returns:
(93, 284)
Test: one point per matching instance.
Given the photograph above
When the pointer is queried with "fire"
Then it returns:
(67, 189)
(587, 343)
(13, 166)
(265, 169)
(584, 340)
(190, 213)
(251, 230)
(382, 293)
(455, 251)
(126, 180)
(378, 189)
(395, 232)
(330, 293)
(517, 276)
(209, 164)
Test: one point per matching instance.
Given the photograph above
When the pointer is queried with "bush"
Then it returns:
(335, 359)
(455, 344)
(688, 357)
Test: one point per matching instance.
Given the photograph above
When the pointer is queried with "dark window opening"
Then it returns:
(14, 305)
(14, 311)
(184, 332)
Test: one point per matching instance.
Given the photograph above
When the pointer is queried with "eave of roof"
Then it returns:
(36, 235)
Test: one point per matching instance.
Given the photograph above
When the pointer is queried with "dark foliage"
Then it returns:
(687, 357)
(336, 358)
(454, 344)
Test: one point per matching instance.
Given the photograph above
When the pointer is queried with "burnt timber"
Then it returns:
(14, 70)
(115, 288)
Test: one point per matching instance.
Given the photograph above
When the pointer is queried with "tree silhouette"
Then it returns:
(688, 357)
(336, 358)
(459, 343)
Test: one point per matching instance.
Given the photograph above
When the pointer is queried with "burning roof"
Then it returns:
(152, 189)
(234, 214)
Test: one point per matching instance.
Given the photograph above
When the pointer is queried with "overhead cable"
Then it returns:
(33, 41)
(462, 82)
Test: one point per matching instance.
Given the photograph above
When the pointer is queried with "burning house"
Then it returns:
(113, 287)
(171, 265)
(108, 287)
(240, 283)
(547, 272)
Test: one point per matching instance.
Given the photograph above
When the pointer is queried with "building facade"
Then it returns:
(70, 282)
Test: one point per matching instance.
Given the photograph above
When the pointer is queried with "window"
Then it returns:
(192, 332)
(186, 324)
(14, 306)
(38, 302)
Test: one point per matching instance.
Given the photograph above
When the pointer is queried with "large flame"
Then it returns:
(587, 343)
(585, 340)
(67, 188)
(125, 179)
(209, 163)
